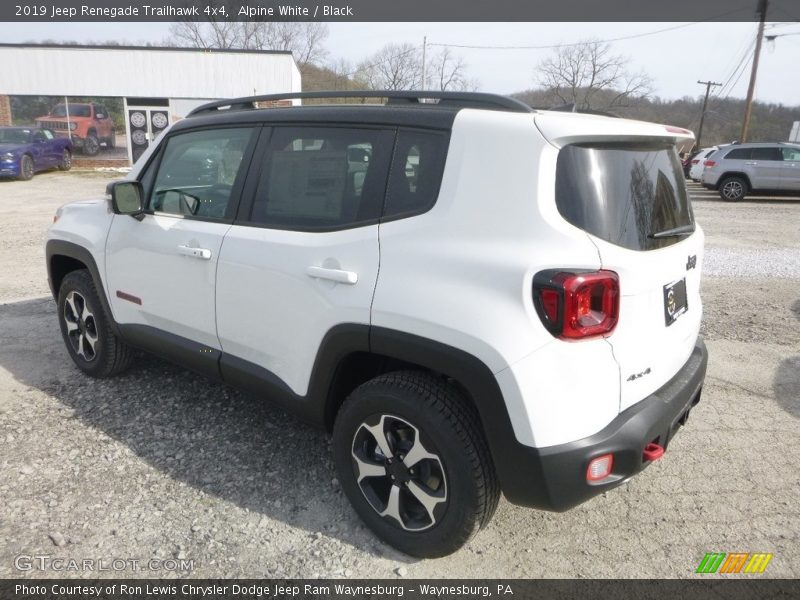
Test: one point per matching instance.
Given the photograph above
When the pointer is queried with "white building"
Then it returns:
(152, 83)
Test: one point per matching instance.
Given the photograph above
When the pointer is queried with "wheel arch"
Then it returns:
(728, 174)
(64, 257)
(388, 350)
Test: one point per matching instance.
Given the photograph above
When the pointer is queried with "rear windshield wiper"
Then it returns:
(677, 231)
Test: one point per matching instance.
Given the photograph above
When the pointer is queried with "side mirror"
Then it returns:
(100, 116)
(126, 198)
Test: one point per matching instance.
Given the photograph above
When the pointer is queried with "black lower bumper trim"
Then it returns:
(554, 478)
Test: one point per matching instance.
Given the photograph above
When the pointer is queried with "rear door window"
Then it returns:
(322, 178)
(766, 154)
(625, 194)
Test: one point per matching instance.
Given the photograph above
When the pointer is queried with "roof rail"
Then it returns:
(455, 99)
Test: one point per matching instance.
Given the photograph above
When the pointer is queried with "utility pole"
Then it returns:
(708, 85)
(762, 9)
(424, 48)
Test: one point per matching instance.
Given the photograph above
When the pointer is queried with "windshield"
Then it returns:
(15, 136)
(75, 110)
(626, 194)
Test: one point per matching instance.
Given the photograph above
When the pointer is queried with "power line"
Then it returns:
(570, 44)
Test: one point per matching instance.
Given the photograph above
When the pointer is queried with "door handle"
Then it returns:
(200, 253)
(337, 275)
(751, 163)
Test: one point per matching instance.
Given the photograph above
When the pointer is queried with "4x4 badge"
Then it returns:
(692, 262)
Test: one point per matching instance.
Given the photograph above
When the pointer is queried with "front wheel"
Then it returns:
(86, 330)
(66, 161)
(413, 461)
(26, 168)
(732, 189)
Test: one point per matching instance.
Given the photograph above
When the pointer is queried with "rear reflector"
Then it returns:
(600, 467)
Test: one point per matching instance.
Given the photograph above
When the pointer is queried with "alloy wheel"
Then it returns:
(732, 190)
(402, 478)
(81, 326)
(66, 160)
(27, 168)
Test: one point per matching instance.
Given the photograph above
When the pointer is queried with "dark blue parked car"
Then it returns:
(26, 150)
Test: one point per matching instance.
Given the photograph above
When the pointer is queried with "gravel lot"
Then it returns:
(159, 463)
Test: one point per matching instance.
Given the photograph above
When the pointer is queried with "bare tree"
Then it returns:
(393, 67)
(447, 72)
(590, 76)
(304, 40)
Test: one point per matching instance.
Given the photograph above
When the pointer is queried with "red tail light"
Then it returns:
(709, 163)
(575, 306)
(695, 161)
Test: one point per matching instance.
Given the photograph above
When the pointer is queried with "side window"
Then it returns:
(766, 154)
(39, 136)
(197, 172)
(738, 154)
(791, 154)
(48, 134)
(322, 178)
(416, 174)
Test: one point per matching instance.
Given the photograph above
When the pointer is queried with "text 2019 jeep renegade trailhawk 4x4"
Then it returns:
(471, 295)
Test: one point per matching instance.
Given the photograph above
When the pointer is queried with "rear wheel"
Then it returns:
(26, 168)
(86, 330)
(66, 160)
(732, 189)
(412, 459)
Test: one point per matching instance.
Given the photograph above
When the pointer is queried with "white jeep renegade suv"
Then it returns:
(472, 296)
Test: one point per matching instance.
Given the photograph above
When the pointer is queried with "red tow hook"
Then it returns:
(652, 452)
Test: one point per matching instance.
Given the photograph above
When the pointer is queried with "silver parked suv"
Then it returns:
(739, 169)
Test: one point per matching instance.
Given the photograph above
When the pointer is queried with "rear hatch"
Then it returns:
(624, 187)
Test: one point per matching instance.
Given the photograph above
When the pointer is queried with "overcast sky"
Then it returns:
(674, 59)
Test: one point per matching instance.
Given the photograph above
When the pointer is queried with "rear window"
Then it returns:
(625, 194)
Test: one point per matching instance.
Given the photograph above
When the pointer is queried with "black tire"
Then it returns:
(66, 160)
(733, 189)
(91, 145)
(448, 428)
(109, 356)
(26, 168)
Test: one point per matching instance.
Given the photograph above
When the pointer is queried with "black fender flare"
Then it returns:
(479, 382)
(72, 250)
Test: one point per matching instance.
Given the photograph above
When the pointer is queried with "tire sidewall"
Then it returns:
(454, 527)
(93, 148)
(66, 160)
(80, 281)
(23, 173)
(729, 180)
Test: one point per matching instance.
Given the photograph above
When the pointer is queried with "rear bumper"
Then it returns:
(554, 478)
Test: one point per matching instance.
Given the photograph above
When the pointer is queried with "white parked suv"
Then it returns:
(472, 296)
